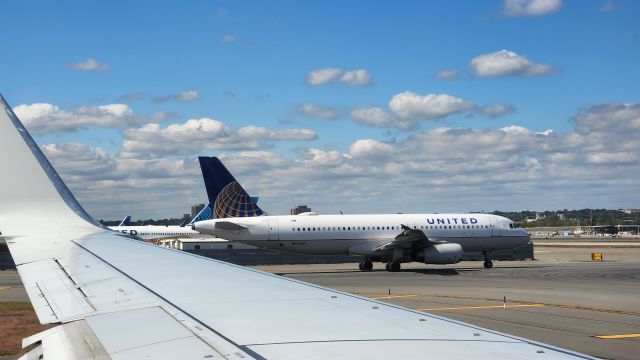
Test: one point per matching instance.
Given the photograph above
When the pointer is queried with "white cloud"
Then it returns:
(377, 117)
(317, 111)
(505, 62)
(48, 118)
(442, 169)
(90, 65)
(496, 110)
(449, 74)
(358, 77)
(370, 149)
(186, 95)
(227, 38)
(409, 105)
(196, 135)
(323, 76)
(530, 7)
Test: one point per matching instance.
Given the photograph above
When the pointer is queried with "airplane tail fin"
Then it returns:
(226, 195)
(126, 221)
(205, 214)
(33, 197)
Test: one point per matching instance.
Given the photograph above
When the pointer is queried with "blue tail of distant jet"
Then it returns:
(126, 221)
(205, 214)
(227, 198)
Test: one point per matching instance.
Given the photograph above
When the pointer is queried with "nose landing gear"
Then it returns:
(488, 264)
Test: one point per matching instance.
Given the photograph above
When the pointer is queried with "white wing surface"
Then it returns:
(117, 298)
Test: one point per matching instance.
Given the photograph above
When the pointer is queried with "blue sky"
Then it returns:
(247, 64)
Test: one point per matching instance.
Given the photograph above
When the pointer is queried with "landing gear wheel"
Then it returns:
(393, 266)
(488, 264)
(365, 265)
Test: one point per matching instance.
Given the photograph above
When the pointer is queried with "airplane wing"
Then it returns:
(408, 238)
(118, 298)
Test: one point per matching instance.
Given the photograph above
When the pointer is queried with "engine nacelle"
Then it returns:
(441, 254)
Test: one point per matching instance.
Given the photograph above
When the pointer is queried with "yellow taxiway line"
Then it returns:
(394, 296)
(620, 336)
(4, 287)
(481, 307)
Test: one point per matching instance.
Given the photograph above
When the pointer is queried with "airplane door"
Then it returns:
(274, 233)
(495, 228)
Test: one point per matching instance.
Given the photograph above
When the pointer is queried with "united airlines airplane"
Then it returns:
(389, 238)
(153, 232)
(113, 297)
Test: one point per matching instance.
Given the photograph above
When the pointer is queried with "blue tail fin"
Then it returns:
(205, 214)
(126, 221)
(227, 198)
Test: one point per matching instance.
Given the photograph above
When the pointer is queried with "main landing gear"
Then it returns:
(488, 264)
(393, 266)
(365, 265)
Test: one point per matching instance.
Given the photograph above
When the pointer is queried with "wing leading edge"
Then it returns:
(123, 299)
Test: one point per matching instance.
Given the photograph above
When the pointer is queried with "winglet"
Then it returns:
(33, 197)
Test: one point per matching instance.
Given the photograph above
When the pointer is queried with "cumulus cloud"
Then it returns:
(377, 117)
(48, 118)
(318, 111)
(506, 62)
(358, 77)
(530, 7)
(196, 135)
(449, 74)
(90, 65)
(370, 149)
(441, 169)
(409, 105)
(323, 76)
(496, 110)
(186, 95)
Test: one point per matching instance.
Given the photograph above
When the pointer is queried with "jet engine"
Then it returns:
(440, 254)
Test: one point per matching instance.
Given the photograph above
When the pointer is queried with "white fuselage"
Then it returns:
(153, 232)
(361, 234)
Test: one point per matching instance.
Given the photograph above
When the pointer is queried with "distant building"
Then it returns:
(186, 216)
(560, 216)
(300, 209)
(195, 209)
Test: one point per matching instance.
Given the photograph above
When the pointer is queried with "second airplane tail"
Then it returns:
(227, 198)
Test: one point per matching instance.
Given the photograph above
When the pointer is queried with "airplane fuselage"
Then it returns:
(152, 232)
(362, 234)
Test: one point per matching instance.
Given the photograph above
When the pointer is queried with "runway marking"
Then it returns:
(4, 287)
(560, 306)
(394, 296)
(620, 336)
(481, 307)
